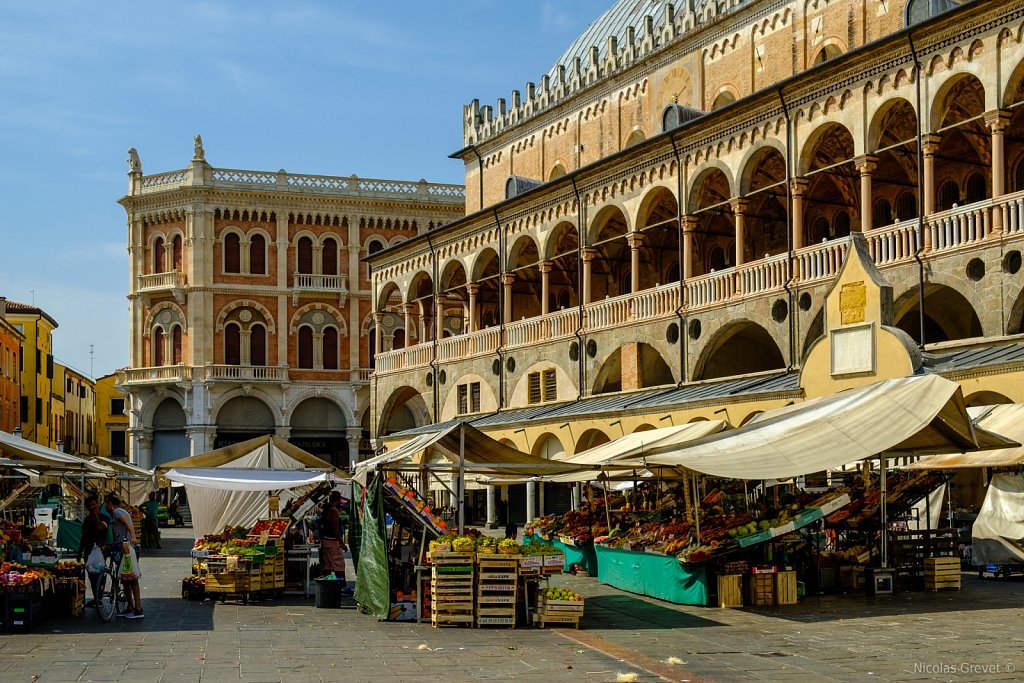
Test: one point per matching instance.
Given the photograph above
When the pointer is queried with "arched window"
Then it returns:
(176, 345)
(399, 340)
(1018, 176)
(826, 53)
(159, 255)
(305, 346)
(157, 346)
(906, 206)
(563, 299)
(232, 254)
(373, 247)
(949, 194)
(881, 214)
(976, 189)
(258, 255)
(330, 348)
(723, 99)
(176, 253)
(716, 259)
(232, 345)
(258, 345)
(330, 257)
(841, 224)
(819, 231)
(305, 255)
(556, 172)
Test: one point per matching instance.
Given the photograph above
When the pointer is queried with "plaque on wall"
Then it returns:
(853, 350)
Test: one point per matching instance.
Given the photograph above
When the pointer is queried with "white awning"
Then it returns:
(34, 456)
(913, 415)
(239, 479)
(1007, 419)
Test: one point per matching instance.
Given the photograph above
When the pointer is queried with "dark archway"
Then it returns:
(738, 349)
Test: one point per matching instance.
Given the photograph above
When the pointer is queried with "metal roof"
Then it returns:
(613, 22)
(974, 358)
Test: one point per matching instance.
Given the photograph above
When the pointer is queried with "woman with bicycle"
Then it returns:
(123, 535)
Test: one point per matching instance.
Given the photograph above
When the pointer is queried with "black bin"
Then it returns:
(328, 593)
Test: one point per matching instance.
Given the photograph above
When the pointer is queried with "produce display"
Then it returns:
(275, 528)
(563, 594)
(903, 489)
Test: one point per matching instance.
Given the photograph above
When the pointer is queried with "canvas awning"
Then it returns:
(912, 415)
(33, 456)
(458, 446)
(232, 479)
(605, 461)
(1007, 420)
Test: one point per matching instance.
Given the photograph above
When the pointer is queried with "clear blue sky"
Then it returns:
(335, 88)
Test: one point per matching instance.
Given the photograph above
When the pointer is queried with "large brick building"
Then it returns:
(11, 340)
(250, 306)
(655, 228)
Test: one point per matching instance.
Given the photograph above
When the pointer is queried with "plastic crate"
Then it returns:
(24, 612)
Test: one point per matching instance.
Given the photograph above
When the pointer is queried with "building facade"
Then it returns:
(11, 340)
(250, 305)
(78, 434)
(36, 400)
(667, 212)
(111, 419)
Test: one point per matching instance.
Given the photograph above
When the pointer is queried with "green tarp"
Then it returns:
(69, 534)
(659, 576)
(373, 588)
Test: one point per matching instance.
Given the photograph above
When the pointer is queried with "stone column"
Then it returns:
(531, 500)
(507, 280)
(471, 291)
(492, 507)
(142, 448)
(635, 240)
(200, 439)
(998, 120)
(354, 436)
(378, 332)
(798, 187)
(739, 209)
(439, 302)
(421, 327)
(407, 310)
(865, 164)
(689, 227)
(929, 147)
(588, 264)
(577, 489)
(545, 286)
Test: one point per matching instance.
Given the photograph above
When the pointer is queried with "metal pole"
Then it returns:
(462, 478)
(883, 511)
(696, 506)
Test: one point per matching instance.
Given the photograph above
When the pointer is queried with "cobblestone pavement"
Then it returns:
(918, 636)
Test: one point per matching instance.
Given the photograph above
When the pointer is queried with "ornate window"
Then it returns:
(176, 253)
(373, 247)
(258, 345)
(906, 206)
(329, 258)
(157, 346)
(159, 255)
(306, 347)
(841, 224)
(258, 255)
(304, 257)
(232, 253)
(820, 230)
(949, 194)
(881, 214)
(976, 189)
(232, 344)
(176, 345)
(330, 348)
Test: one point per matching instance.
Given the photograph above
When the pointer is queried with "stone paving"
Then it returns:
(974, 634)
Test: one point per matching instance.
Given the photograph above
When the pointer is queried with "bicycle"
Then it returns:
(110, 597)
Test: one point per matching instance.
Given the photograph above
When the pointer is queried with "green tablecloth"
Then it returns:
(659, 576)
(582, 555)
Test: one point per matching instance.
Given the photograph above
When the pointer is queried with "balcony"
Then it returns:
(318, 283)
(173, 282)
(164, 374)
(247, 373)
(958, 229)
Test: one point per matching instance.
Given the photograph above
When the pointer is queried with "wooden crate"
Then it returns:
(941, 572)
(730, 590)
(785, 588)
(228, 582)
(762, 590)
(443, 558)
(559, 612)
(497, 581)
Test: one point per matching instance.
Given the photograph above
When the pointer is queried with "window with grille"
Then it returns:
(474, 397)
(469, 398)
(533, 389)
(463, 399)
(550, 385)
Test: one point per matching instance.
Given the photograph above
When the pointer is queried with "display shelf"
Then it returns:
(800, 521)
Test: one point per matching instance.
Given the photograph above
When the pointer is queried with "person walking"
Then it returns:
(151, 524)
(332, 542)
(123, 539)
(94, 532)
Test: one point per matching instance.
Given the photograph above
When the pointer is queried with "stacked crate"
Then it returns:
(496, 589)
(941, 572)
(558, 611)
(451, 588)
(762, 589)
(228, 576)
(272, 573)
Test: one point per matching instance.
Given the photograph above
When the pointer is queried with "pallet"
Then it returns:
(437, 620)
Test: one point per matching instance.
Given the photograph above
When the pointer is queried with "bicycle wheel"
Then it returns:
(120, 602)
(105, 593)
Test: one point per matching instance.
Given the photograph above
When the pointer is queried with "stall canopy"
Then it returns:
(920, 415)
(601, 461)
(134, 482)
(229, 485)
(997, 536)
(33, 456)
(458, 445)
(1007, 420)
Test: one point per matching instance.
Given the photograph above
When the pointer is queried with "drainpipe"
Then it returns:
(680, 188)
(501, 311)
(434, 360)
(791, 295)
(920, 190)
(480, 166)
(580, 337)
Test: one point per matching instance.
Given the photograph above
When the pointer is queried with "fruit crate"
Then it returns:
(23, 612)
(941, 572)
(452, 584)
(439, 557)
(785, 588)
(559, 612)
(496, 590)
(552, 564)
(762, 590)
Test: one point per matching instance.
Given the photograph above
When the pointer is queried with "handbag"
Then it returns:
(95, 563)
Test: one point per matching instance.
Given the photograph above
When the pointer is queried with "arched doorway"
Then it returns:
(831, 199)
(243, 418)
(964, 149)
(948, 315)
(714, 234)
(318, 426)
(169, 439)
(739, 349)
(659, 229)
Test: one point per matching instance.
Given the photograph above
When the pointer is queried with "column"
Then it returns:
(492, 507)
(531, 500)
(143, 448)
(689, 227)
(635, 240)
(997, 121)
(588, 264)
(378, 332)
(865, 164)
(929, 147)
(439, 301)
(421, 328)
(798, 187)
(200, 439)
(407, 311)
(577, 489)
(283, 432)
(545, 286)
(472, 291)
(507, 280)
(354, 436)
(739, 208)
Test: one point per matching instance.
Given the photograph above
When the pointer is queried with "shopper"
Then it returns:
(123, 534)
(94, 532)
(151, 524)
(174, 512)
(332, 542)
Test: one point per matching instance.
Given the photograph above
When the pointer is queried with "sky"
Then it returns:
(330, 87)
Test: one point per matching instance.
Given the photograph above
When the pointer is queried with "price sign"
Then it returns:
(264, 536)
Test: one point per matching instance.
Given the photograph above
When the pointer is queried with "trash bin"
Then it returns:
(328, 593)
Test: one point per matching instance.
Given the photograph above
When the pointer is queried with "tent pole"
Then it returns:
(607, 503)
(883, 511)
(696, 506)
(462, 478)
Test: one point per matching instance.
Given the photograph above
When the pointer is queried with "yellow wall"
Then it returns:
(108, 422)
(36, 384)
